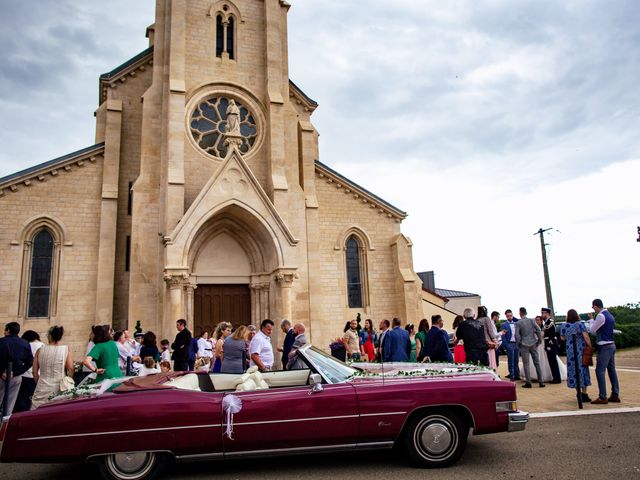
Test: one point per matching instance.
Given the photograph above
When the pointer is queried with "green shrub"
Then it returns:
(628, 314)
(630, 336)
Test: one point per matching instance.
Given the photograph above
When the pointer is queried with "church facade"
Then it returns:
(203, 198)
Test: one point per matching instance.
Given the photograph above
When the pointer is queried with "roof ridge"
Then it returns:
(383, 205)
(51, 166)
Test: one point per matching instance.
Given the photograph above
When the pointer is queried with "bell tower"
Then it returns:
(207, 55)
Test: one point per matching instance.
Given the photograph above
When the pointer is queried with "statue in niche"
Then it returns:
(233, 119)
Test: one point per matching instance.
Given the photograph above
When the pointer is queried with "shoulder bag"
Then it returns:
(587, 356)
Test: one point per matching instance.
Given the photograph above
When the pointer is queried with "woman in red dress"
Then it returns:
(458, 348)
(368, 337)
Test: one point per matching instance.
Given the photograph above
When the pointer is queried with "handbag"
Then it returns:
(587, 356)
(67, 384)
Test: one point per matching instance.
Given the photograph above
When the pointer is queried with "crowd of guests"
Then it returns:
(535, 340)
(40, 370)
(394, 343)
(479, 337)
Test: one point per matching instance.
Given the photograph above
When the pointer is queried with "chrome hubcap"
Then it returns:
(436, 438)
(130, 462)
(130, 465)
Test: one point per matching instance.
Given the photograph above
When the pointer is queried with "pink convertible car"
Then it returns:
(131, 432)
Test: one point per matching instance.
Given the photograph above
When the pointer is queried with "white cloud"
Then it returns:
(485, 120)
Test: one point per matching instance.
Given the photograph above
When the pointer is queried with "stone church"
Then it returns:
(204, 197)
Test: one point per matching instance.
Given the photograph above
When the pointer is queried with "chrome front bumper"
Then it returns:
(517, 421)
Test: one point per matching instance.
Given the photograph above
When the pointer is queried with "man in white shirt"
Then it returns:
(129, 342)
(123, 352)
(603, 327)
(261, 350)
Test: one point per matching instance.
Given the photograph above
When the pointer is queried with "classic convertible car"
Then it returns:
(426, 409)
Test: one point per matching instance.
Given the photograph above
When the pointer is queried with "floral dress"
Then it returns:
(568, 331)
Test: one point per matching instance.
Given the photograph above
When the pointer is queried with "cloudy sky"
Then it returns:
(485, 120)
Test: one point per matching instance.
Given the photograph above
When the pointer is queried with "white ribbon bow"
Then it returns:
(231, 404)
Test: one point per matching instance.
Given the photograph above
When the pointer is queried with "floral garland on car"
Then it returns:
(87, 390)
(442, 370)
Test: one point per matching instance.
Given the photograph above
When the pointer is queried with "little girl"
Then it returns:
(166, 354)
(149, 367)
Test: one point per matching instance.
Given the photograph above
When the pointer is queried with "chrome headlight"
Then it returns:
(508, 407)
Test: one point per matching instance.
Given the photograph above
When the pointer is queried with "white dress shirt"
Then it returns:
(261, 344)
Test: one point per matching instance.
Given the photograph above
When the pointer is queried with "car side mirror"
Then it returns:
(315, 380)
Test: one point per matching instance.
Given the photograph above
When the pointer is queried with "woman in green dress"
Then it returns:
(412, 337)
(104, 354)
(421, 338)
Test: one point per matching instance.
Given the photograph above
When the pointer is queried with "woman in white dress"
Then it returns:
(545, 369)
(205, 351)
(50, 365)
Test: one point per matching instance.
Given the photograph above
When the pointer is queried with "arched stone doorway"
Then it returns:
(222, 273)
(231, 260)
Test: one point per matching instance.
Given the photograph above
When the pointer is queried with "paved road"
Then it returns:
(549, 448)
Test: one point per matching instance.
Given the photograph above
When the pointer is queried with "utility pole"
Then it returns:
(545, 267)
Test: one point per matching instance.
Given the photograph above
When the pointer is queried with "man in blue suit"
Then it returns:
(508, 331)
(437, 342)
(289, 338)
(401, 347)
(386, 341)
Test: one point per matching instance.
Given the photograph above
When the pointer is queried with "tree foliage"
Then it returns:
(628, 314)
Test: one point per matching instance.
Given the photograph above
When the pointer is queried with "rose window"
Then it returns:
(209, 124)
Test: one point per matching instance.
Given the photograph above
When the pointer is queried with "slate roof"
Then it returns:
(122, 67)
(393, 210)
(146, 56)
(443, 292)
(50, 164)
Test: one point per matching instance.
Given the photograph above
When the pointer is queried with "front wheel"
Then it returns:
(131, 465)
(436, 439)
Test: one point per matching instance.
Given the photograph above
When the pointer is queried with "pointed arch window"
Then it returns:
(226, 33)
(230, 37)
(354, 272)
(219, 36)
(40, 274)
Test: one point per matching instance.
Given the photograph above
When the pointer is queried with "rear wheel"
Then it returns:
(131, 465)
(436, 439)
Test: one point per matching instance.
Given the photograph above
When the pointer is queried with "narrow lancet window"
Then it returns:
(354, 273)
(219, 36)
(230, 43)
(40, 275)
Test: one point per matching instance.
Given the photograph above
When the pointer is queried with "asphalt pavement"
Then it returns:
(576, 447)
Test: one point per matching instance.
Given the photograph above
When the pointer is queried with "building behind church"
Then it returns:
(204, 197)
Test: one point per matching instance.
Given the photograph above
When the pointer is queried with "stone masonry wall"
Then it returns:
(337, 212)
(73, 197)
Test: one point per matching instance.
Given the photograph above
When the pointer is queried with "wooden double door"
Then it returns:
(221, 303)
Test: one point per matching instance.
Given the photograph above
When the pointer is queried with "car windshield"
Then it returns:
(334, 370)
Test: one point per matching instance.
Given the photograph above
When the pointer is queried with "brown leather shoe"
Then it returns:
(614, 399)
(599, 401)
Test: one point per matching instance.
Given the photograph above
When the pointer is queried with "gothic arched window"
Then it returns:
(354, 272)
(39, 293)
(226, 24)
(230, 38)
(219, 36)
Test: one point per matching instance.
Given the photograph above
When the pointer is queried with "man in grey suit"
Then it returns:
(295, 362)
(528, 337)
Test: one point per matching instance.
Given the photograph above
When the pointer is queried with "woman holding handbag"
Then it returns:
(574, 330)
(52, 367)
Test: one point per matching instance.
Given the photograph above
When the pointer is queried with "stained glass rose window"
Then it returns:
(209, 123)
